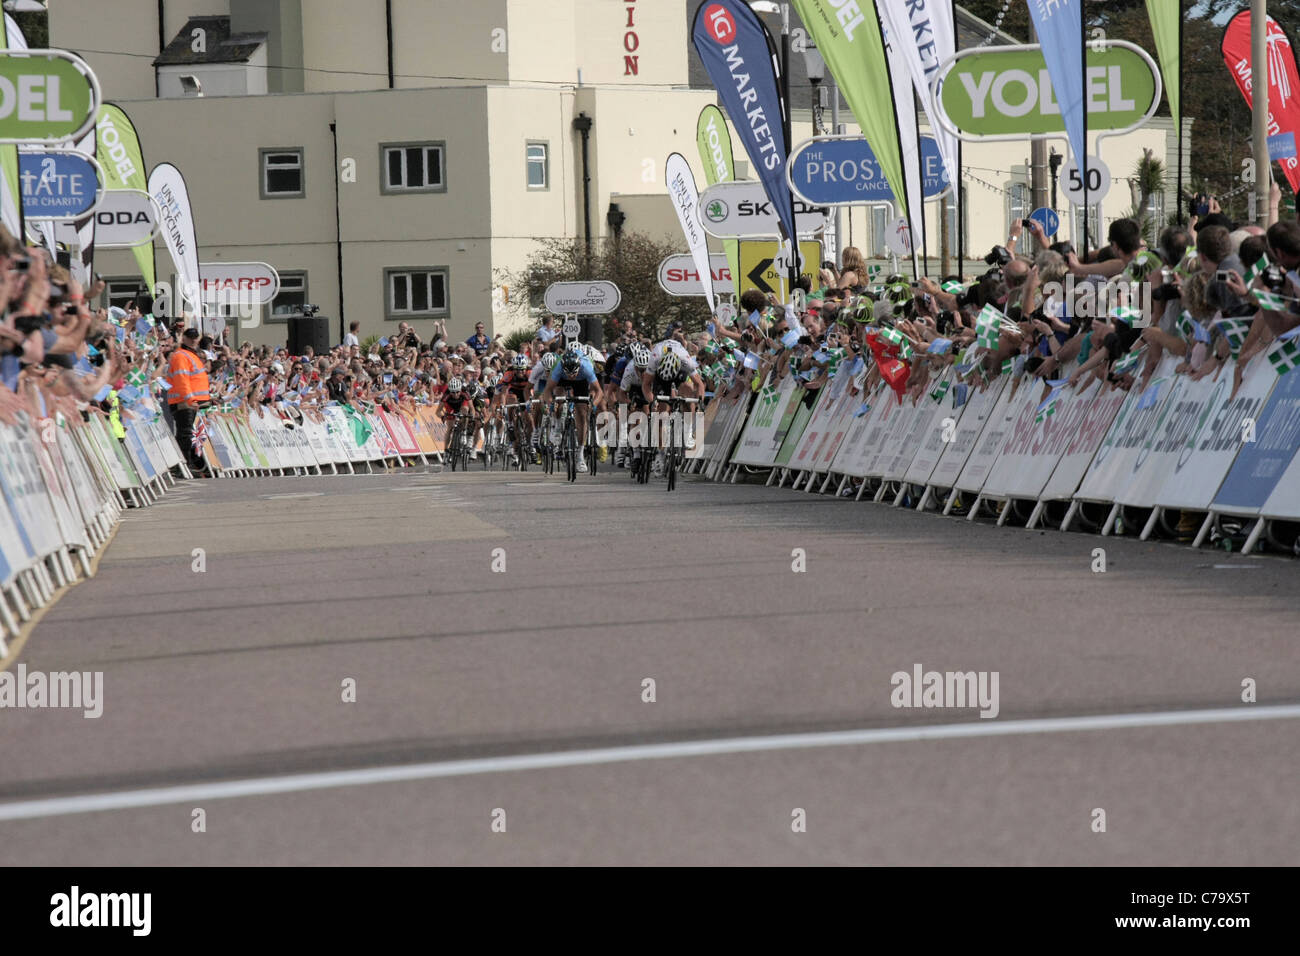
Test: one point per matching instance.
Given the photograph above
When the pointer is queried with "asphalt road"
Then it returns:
(228, 679)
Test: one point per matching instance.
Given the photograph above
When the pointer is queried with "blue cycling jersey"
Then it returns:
(585, 371)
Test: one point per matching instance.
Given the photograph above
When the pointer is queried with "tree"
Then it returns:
(631, 263)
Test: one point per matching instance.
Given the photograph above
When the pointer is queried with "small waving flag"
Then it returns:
(988, 328)
(940, 391)
(1235, 331)
(1285, 357)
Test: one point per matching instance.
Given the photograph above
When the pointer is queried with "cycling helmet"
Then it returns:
(491, 377)
(454, 386)
(670, 366)
(572, 361)
(521, 362)
(549, 360)
(640, 355)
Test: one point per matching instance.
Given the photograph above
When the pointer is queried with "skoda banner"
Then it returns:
(841, 171)
(124, 219)
(738, 54)
(1007, 93)
(741, 210)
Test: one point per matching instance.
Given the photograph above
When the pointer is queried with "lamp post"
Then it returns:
(771, 6)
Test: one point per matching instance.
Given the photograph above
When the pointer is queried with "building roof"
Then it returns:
(971, 32)
(220, 45)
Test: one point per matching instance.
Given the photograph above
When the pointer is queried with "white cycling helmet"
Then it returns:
(640, 355)
(454, 386)
(670, 366)
(549, 360)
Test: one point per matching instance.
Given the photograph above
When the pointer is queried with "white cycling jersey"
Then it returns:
(537, 375)
(657, 353)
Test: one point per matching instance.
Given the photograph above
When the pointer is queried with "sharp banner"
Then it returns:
(838, 171)
(1007, 93)
(738, 54)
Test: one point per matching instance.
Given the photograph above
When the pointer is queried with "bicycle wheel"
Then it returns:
(571, 448)
(453, 446)
(593, 450)
(670, 456)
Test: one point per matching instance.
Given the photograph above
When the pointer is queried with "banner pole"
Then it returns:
(1179, 118)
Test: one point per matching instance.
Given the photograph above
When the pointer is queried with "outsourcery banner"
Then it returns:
(714, 140)
(594, 297)
(678, 275)
(119, 154)
(738, 55)
(741, 210)
(686, 197)
(842, 171)
(167, 187)
(1007, 93)
(58, 184)
(1283, 79)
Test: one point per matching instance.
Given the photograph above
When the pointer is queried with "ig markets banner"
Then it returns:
(738, 54)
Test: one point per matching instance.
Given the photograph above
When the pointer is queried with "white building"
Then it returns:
(391, 157)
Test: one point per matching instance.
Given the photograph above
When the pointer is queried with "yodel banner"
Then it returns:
(714, 140)
(120, 156)
(46, 96)
(1007, 92)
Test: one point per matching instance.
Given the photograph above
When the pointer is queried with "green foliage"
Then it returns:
(632, 264)
(520, 337)
(370, 344)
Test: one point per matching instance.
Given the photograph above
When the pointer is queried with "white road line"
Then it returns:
(262, 786)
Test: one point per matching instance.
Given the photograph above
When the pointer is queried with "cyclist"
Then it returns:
(516, 388)
(574, 372)
(671, 367)
(457, 401)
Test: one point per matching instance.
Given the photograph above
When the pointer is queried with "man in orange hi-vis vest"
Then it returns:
(187, 374)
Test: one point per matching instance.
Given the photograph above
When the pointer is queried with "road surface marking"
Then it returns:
(296, 783)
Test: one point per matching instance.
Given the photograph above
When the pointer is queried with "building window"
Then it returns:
(291, 297)
(952, 224)
(121, 292)
(1156, 212)
(413, 168)
(282, 173)
(416, 293)
(1018, 202)
(539, 171)
(879, 225)
(1096, 237)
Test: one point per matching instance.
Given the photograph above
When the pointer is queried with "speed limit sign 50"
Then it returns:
(1098, 181)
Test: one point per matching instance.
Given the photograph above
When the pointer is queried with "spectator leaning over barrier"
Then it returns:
(188, 375)
(1125, 242)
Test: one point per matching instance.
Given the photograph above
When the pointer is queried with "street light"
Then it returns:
(815, 66)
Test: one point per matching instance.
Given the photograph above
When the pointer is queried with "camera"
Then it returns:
(998, 256)
(309, 310)
(1164, 293)
(1274, 278)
